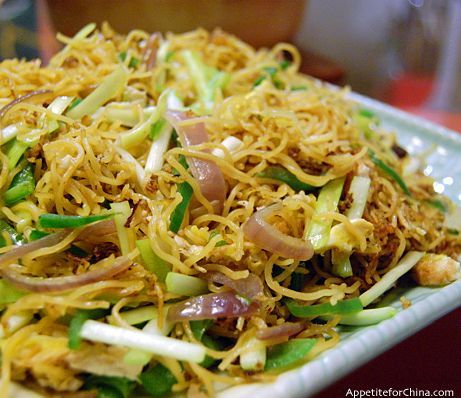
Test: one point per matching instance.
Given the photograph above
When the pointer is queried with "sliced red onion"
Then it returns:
(20, 99)
(207, 173)
(150, 53)
(101, 228)
(21, 251)
(212, 306)
(267, 237)
(63, 283)
(250, 287)
(286, 329)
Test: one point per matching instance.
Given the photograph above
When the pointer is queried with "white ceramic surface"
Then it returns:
(363, 344)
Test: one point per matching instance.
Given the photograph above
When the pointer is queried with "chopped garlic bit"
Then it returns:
(436, 269)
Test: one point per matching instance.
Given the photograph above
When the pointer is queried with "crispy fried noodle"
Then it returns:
(183, 212)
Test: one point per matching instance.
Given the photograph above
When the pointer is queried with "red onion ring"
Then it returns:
(22, 250)
(212, 306)
(267, 237)
(286, 329)
(250, 287)
(63, 283)
(150, 53)
(207, 173)
(20, 99)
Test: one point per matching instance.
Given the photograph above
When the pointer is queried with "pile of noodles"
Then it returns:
(298, 123)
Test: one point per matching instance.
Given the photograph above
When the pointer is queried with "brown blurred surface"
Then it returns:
(430, 359)
(259, 22)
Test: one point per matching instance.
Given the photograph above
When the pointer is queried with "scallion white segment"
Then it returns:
(360, 186)
(158, 345)
(231, 143)
(8, 133)
(129, 158)
(402, 267)
(154, 160)
(254, 356)
(60, 104)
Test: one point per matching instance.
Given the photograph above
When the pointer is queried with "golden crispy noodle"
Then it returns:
(281, 117)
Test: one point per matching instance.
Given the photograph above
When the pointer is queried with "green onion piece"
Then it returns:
(284, 64)
(152, 262)
(59, 221)
(258, 81)
(327, 202)
(366, 113)
(156, 128)
(16, 237)
(282, 356)
(341, 307)
(389, 171)
(270, 70)
(110, 386)
(207, 80)
(200, 327)
(185, 285)
(388, 280)
(137, 316)
(298, 88)
(134, 62)
(359, 189)
(14, 151)
(140, 132)
(341, 264)
(126, 236)
(452, 231)
(74, 103)
(254, 356)
(157, 381)
(8, 293)
(281, 174)
(368, 317)
(9, 132)
(76, 324)
(177, 216)
(438, 204)
(108, 89)
(23, 185)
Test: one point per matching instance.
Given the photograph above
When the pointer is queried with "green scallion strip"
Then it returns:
(76, 324)
(22, 185)
(281, 174)
(341, 307)
(438, 204)
(108, 89)
(153, 263)
(59, 221)
(389, 171)
(177, 216)
(327, 202)
(285, 355)
(185, 285)
(368, 317)
(14, 151)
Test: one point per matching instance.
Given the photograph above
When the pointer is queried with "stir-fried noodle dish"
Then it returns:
(181, 213)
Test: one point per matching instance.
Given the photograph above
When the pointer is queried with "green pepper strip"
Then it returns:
(23, 185)
(389, 171)
(438, 204)
(110, 386)
(199, 329)
(60, 221)
(76, 324)
(279, 173)
(8, 293)
(177, 216)
(282, 356)
(341, 307)
(157, 381)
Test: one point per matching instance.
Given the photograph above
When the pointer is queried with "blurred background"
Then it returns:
(403, 52)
